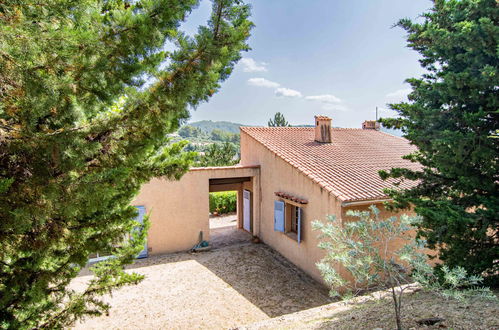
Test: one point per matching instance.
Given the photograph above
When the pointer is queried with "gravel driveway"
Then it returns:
(222, 288)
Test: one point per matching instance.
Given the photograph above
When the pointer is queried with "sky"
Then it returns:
(338, 58)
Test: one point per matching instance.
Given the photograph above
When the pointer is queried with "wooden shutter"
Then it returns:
(300, 212)
(247, 210)
(140, 219)
(279, 216)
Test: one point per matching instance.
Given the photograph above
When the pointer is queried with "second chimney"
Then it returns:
(322, 129)
(370, 124)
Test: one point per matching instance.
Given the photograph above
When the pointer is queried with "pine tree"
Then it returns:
(278, 121)
(88, 95)
(452, 117)
(219, 154)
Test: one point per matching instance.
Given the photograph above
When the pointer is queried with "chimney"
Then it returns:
(370, 124)
(322, 129)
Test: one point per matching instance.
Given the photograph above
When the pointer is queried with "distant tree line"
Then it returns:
(216, 148)
(219, 135)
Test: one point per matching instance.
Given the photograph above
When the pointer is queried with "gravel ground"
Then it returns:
(221, 288)
(226, 236)
(227, 220)
(365, 313)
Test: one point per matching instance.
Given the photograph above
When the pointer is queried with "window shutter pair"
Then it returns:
(279, 221)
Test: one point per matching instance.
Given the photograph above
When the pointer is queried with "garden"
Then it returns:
(223, 202)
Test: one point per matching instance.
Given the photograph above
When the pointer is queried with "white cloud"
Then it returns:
(337, 107)
(325, 98)
(287, 92)
(386, 113)
(262, 82)
(399, 94)
(250, 65)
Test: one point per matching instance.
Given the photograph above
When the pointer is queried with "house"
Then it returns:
(287, 177)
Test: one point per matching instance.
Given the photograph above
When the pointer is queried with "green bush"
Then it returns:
(363, 248)
(223, 202)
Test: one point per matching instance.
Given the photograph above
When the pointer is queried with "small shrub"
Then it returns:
(223, 202)
(363, 248)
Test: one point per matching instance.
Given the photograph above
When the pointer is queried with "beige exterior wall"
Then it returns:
(179, 210)
(278, 175)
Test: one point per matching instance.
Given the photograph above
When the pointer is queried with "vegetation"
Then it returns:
(452, 117)
(218, 135)
(207, 126)
(278, 120)
(218, 154)
(223, 202)
(195, 134)
(189, 131)
(80, 131)
(366, 249)
(211, 144)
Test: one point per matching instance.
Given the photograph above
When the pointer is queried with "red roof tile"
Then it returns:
(291, 197)
(348, 166)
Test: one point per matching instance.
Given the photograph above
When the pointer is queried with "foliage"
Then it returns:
(365, 250)
(219, 135)
(207, 126)
(455, 283)
(219, 154)
(189, 131)
(452, 118)
(200, 140)
(81, 130)
(278, 121)
(223, 202)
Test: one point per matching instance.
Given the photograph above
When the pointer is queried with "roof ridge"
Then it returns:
(276, 127)
(301, 127)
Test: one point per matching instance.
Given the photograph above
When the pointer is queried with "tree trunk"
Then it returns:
(396, 303)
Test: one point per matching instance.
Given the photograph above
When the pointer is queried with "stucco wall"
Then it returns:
(278, 175)
(179, 210)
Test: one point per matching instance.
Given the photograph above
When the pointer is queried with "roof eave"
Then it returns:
(365, 202)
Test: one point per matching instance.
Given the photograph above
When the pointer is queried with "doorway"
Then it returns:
(230, 211)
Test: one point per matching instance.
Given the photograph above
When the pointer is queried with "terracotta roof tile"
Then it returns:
(291, 197)
(348, 166)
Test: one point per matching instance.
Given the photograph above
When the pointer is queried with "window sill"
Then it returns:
(292, 235)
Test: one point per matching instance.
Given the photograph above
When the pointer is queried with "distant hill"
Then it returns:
(207, 126)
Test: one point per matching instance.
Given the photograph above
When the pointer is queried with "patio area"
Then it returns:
(228, 286)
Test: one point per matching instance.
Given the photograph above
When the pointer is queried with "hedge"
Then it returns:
(223, 202)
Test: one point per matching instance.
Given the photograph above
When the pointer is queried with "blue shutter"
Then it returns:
(299, 224)
(140, 219)
(279, 216)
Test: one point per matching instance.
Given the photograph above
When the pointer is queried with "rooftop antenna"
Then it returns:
(376, 114)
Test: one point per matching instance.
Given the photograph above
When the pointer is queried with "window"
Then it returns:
(105, 254)
(287, 219)
(294, 219)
